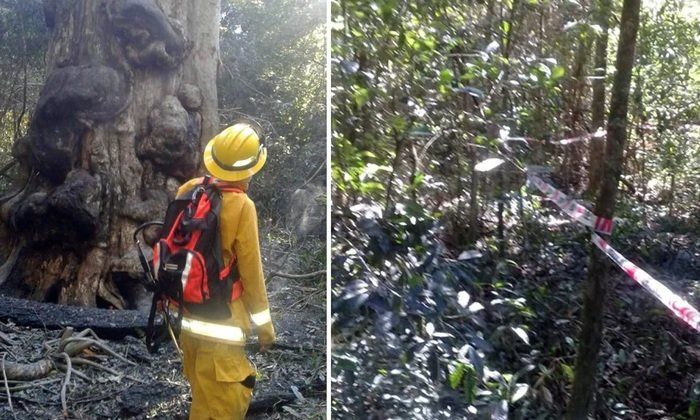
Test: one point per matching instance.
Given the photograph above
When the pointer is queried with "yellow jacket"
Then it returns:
(238, 222)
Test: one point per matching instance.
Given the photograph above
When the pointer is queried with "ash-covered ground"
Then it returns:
(291, 379)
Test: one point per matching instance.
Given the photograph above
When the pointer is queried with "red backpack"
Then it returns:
(187, 264)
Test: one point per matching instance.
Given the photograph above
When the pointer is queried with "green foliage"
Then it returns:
(23, 41)
(436, 106)
(273, 56)
(664, 105)
(393, 287)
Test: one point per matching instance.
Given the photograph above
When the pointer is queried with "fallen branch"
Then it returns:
(84, 343)
(8, 166)
(33, 384)
(316, 172)
(7, 387)
(69, 368)
(77, 373)
(296, 276)
(297, 347)
(81, 361)
(68, 346)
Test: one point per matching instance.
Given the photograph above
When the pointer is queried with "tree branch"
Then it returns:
(296, 276)
(69, 368)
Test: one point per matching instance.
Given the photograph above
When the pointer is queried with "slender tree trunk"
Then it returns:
(595, 159)
(501, 210)
(129, 99)
(671, 194)
(473, 199)
(395, 168)
(584, 387)
(572, 163)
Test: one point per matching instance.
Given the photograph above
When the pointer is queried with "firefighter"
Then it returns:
(214, 361)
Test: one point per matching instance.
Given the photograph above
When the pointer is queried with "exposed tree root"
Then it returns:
(69, 369)
(61, 354)
(28, 371)
(7, 387)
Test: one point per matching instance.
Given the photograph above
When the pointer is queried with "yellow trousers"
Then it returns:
(215, 371)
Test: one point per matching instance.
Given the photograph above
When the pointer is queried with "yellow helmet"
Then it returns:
(235, 154)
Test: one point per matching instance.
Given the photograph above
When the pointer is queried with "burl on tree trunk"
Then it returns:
(129, 100)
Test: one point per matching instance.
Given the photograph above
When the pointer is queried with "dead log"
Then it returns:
(105, 322)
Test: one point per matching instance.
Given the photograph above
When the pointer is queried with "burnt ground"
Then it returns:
(291, 379)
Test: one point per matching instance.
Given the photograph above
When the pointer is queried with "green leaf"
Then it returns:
(456, 375)
(488, 164)
(371, 186)
(505, 27)
(522, 334)
(418, 180)
(470, 385)
(398, 123)
(361, 96)
(544, 69)
(387, 9)
(558, 72)
(519, 392)
(568, 372)
(446, 76)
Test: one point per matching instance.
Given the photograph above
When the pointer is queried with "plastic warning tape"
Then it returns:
(675, 303)
(575, 210)
(597, 135)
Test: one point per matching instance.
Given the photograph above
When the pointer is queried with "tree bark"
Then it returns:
(595, 157)
(595, 289)
(473, 235)
(571, 170)
(129, 100)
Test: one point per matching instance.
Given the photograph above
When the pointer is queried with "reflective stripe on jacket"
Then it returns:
(238, 222)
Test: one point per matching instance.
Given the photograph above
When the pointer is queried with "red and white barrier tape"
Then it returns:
(675, 303)
(597, 135)
(575, 210)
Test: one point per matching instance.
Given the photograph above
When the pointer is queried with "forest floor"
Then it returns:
(152, 386)
(650, 360)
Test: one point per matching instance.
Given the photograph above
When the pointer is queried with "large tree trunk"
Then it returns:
(129, 99)
(595, 159)
(590, 338)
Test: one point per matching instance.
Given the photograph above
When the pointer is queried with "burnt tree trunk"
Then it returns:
(583, 392)
(128, 102)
